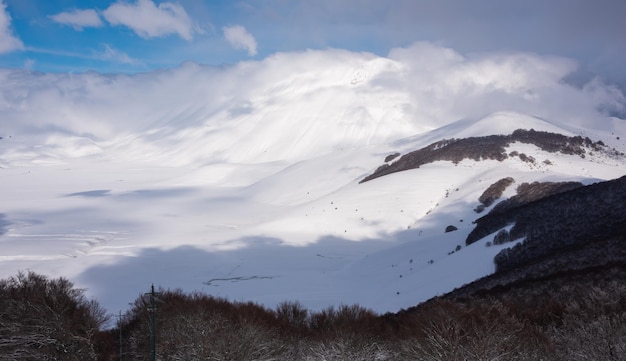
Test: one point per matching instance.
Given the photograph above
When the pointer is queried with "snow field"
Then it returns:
(243, 181)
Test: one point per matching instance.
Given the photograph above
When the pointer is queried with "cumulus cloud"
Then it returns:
(8, 42)
(240, 38)
(149, 20)
(78, 19)
(445, 84)
(589, 31)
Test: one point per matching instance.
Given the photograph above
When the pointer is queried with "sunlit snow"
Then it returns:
(243, 181)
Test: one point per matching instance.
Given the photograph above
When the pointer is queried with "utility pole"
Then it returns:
(153, 325)
(119, 325)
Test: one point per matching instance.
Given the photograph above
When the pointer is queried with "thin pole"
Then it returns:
(153, 328)
(119, 325)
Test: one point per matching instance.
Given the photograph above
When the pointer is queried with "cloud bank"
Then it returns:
(239, 38)
(590, 32)
(8, 42)
(79, 19)
(149, 20)
(359, 98)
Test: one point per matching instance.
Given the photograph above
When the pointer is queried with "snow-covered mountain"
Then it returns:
(246, 181)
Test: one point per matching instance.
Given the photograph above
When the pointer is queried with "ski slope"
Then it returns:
(243, 181)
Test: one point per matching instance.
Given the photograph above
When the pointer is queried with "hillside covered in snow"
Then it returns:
(255, 181)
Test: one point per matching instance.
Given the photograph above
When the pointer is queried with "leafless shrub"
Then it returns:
(196, 326)
(526, 158)
(602, 338)
(293, 314)
(593, 325)
(476, 331)
(342, 349)
(46, 319)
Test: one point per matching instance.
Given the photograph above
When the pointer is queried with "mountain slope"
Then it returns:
(244, 182)
(306, 231)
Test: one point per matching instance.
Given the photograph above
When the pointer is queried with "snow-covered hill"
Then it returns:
(243, 181)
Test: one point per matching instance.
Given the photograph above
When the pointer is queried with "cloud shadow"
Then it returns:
(4, 224)
(90, 194)
(259, 269)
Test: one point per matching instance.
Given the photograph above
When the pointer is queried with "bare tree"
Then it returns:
(594, 325)
(43, 319)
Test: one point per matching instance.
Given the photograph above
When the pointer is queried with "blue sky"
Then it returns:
(128, 36)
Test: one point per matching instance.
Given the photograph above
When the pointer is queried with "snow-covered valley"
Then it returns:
(243, 182)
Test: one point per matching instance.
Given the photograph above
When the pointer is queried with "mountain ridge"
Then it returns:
(492, 147)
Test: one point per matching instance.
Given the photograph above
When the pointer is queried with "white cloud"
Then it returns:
(240, 38)
(8, 42)
(78, 19)
(109, 53)
(29, 64)
(424, 86)
(148, 20)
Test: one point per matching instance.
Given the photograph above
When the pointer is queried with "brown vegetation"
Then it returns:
(569, 316)
(556, 223)
(490, 147)
(493, 193)
(524, 323)
(47, 319)
(530, 192)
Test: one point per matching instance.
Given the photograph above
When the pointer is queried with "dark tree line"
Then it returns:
(577, 316)
(491, 147)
